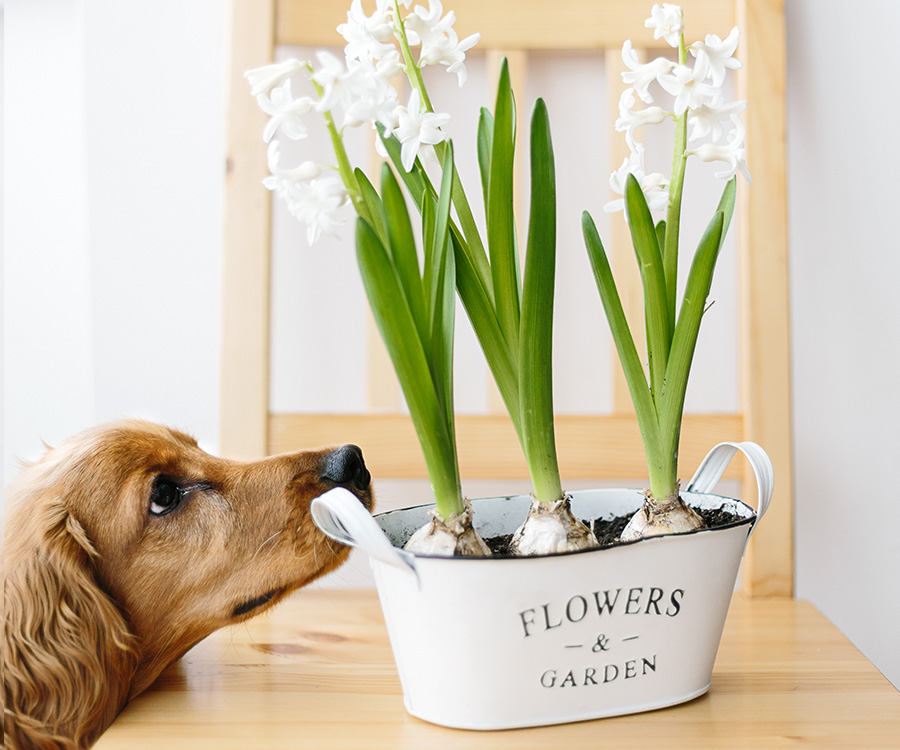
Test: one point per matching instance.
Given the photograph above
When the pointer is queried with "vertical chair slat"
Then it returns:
(765, 360)
(246, 260)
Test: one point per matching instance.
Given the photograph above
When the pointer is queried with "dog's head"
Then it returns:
(130, 544)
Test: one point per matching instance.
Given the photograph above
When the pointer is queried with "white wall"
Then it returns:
(114, 160)
(48, 341)
(113, 157)
(843, 157)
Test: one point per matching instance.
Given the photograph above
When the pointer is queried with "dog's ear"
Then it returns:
(68, 655)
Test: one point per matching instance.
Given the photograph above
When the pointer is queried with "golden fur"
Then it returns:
(101, 593)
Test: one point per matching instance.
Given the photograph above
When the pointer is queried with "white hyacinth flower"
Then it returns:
(318, 204)
(666, 21)
(416, 128)
(389, 66)
(281, 179)
(377, 103)
(709, 120)
(630, 119)
(440, 44)
(732, 153)
(314, 199)
(341, 85)
(423, 25)
(654, 186)
(714, 56)
(361, 91)
(642, 75)
(285, 112)
(369, 38)
(688, 89)
(264, 78)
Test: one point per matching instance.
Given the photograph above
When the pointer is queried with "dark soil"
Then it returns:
(608, 531)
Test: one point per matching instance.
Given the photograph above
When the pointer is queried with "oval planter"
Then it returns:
(495, 643)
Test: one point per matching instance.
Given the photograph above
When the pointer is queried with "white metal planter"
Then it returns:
(485, 643)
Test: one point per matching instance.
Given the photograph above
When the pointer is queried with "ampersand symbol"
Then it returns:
(602, 644)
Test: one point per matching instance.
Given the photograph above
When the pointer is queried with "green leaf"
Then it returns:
(726, 205)
(485, 142)
(417, 183)
(500, 220)
(443, 324)
(398, 330)
(671, 404)
(439, 231)
(373, 203)
(413, 179)
(656, 311)
(661, 240)
(480, 310)
(536, 325)
(402, 248)
(644, 407)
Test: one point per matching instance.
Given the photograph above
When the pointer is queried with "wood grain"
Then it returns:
(516, 24)
(318, 672)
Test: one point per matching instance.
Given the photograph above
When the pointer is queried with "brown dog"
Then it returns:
(125, 546)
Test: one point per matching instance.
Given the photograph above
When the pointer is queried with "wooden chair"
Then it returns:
(590, 447)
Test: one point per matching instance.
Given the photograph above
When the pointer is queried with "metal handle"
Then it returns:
(713, 466)
(340, 516)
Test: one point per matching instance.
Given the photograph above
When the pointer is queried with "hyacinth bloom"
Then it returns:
(654, 186)
(666, 20)
(368, 38)
(285, 112)
(631, 119)
(639, 75)
(417, 128)
(356, 89)
(697, 105)
(268, 76)
(440, 44)
(714, 56)
(688, 88)
(710, 120)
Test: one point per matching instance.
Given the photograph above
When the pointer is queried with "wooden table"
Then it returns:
(318, 673)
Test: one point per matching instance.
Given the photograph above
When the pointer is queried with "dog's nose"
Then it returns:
(346, 466)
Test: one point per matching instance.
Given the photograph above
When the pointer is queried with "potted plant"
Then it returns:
(492, 642)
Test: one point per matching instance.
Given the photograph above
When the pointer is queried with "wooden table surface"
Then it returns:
(317, 672)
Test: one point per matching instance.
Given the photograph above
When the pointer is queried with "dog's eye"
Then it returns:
(165, 497)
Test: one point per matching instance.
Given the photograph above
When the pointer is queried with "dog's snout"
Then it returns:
(346, 466)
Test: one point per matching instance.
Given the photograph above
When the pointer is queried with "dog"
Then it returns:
(126, 545)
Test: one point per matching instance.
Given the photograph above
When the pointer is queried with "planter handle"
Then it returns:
(713, 466)
(341, 516)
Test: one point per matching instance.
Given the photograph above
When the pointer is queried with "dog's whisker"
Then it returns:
(260, 548)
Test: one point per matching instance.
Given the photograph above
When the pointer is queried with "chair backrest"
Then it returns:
(590, 446)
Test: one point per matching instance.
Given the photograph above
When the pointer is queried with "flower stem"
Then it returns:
(413, 71)
(663, 463)
(345, 170)
(673, 214)
(460, 200)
